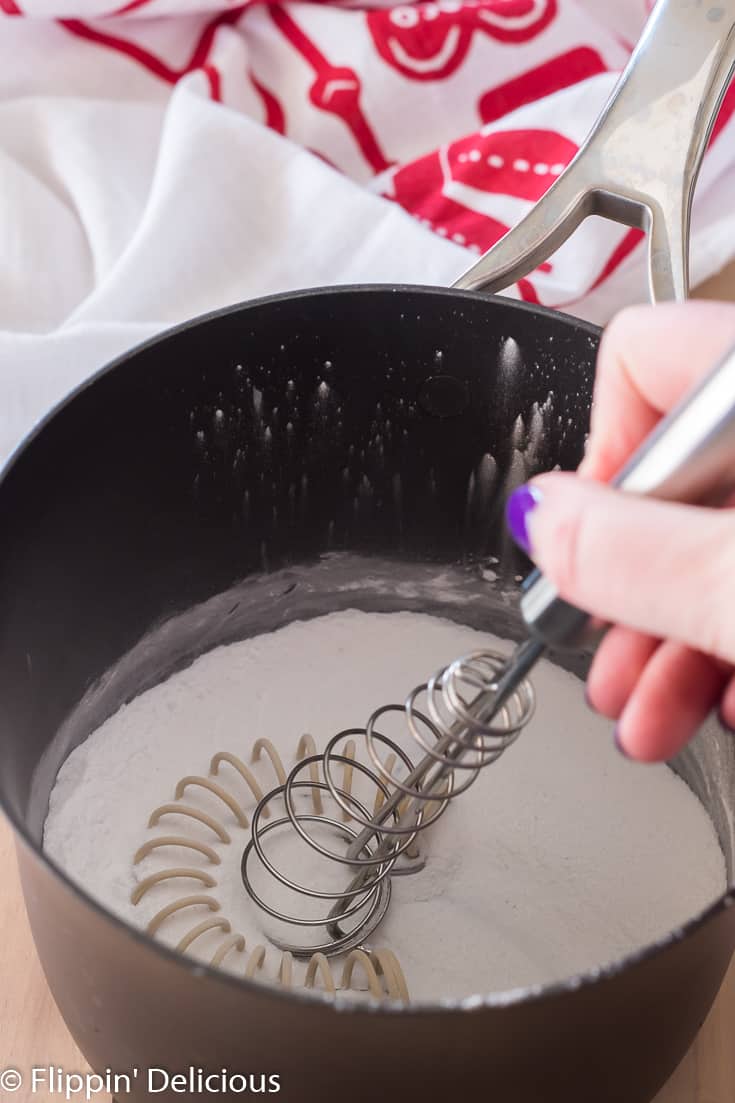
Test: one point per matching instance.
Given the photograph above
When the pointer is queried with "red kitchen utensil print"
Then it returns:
(451, 190)
(543, 80)
(521, 70)
(130, 45)
(450, 187)
(429, 41)
(336, 89)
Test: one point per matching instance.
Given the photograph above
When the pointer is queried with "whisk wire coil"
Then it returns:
(474, 712)
(377, 968)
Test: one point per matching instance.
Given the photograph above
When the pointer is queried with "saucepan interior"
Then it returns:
(280, 460)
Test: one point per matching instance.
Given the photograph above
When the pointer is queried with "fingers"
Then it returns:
(619, 662)
(657, 571)
(659, 692)
(673, 696)
(663, 569)
(649, 358)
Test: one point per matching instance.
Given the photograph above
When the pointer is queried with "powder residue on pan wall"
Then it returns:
(260, 440)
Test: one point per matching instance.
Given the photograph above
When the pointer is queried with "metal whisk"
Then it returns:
(475, 707)
(455, 734)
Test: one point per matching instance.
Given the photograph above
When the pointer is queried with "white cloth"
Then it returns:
(162, 163)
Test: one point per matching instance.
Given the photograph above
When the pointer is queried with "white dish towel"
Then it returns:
(167, 157)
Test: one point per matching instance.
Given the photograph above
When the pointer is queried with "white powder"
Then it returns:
(560, 858)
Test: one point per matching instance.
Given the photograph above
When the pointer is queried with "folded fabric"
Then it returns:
(167, 157)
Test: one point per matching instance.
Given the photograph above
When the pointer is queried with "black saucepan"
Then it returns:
(133, 503)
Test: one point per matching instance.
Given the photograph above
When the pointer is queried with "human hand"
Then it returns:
(662, 574)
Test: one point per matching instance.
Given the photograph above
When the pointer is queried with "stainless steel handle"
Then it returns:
(640, 162)
(689, 457)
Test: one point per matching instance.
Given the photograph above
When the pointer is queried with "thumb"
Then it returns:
(664, 569)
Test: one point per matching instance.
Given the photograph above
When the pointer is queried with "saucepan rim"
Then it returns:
(492, 1001)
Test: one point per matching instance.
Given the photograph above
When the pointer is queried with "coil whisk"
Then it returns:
(463, 719)
(375, 970)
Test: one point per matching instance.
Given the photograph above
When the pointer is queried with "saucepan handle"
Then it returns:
(639, 164)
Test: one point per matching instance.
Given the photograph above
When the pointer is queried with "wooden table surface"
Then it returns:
(32, 1031)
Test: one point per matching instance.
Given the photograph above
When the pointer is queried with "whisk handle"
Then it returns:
(689, 457)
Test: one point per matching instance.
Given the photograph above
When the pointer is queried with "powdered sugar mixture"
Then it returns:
(561, 857)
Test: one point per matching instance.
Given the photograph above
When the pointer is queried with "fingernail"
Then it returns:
(618, 742)
(520, 504)
(725, 724)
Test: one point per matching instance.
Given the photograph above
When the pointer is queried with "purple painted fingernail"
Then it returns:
(618, 743)
(521, 502)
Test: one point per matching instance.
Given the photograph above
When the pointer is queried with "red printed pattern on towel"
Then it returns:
(352, 70)
(429, 41)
